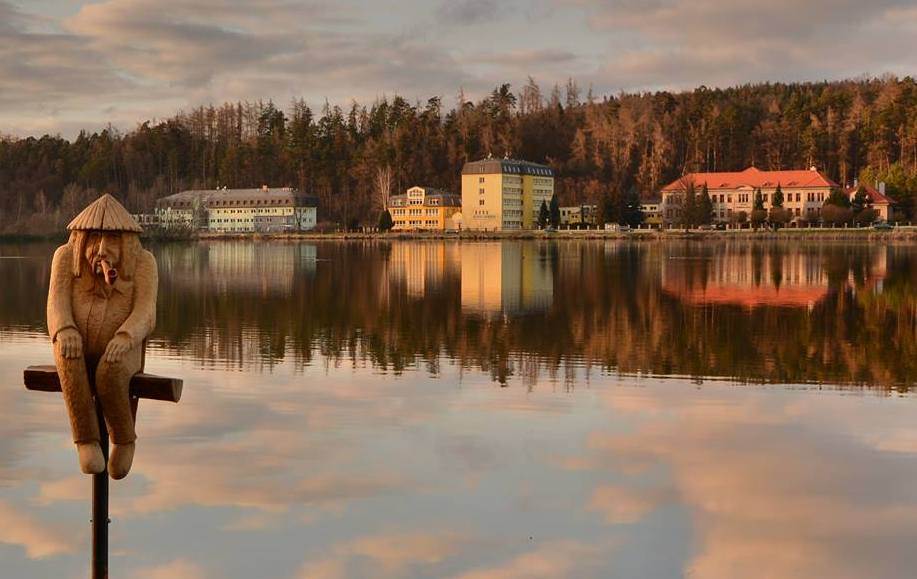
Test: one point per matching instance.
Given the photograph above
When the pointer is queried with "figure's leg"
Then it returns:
(84, 424)
(113, 388)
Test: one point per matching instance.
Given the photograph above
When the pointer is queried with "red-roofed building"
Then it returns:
(878, 200)
(804, 192)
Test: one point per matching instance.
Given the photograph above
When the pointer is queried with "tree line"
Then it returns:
(609, 151)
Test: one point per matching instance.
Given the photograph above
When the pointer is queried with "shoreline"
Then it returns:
(897, 234)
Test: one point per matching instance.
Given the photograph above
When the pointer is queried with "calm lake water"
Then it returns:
(495, 409)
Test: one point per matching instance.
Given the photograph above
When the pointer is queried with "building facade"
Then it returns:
(579, 216)
(504, 194)
(878, 200)
(425, 208)
(652, 212)
(265, 210)
(804, 192)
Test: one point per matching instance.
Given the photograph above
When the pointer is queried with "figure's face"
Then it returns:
(103, 252)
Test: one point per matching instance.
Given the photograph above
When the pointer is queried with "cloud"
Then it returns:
(622, 505)
(38, 539)
(127, 61)
(775, 485)
(468, 12)
(46, 66)
(526, 57)
(389, 554)
(685, 43)
(178, 569)
(190, 45)
(552, 559)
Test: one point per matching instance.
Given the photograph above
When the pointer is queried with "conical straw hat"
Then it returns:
(104, 214)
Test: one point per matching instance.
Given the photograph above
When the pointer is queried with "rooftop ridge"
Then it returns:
(755, 178)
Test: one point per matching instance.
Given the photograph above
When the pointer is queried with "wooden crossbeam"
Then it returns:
(149, 386)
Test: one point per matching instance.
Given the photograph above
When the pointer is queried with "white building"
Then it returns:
(265, 210)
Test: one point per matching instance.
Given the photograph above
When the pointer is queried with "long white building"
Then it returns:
(265, 210)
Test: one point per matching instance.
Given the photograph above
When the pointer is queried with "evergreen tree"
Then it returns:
(860, 200)
(758, 213)
(689, 206)
(759, 201)
(611, 210)
(777, 200)
(837, 198)
(554, 210)
(704, 207)
(385, 221)
(543, 215)
(632, 213)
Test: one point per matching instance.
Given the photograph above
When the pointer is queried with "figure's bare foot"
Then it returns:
(91, 459)
(122, 456)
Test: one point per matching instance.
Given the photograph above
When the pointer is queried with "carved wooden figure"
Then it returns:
(101, 308)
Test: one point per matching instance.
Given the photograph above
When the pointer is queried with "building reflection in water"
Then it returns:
(751, 276)
(509, 278)
(247, 267)
(423, 267)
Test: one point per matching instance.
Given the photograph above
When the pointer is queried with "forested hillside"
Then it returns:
(864, 128)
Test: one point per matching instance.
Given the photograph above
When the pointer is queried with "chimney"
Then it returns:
(856, 182)
(264, 188)
(881, 187)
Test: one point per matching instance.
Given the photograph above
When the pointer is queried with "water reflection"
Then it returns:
(340, 417)
(754, 277)
(506, 278)
(758, 312)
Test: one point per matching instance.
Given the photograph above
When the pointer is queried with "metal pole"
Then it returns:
(100, 507)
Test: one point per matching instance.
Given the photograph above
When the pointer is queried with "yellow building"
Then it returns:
(425, 208)
(504, 193)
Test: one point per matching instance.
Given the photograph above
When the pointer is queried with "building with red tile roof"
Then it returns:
(804, 191)
(878, 200)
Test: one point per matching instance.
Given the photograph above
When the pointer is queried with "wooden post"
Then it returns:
(100, 518)
(45, 379)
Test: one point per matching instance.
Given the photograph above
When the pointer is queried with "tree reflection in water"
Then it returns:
(834, 313)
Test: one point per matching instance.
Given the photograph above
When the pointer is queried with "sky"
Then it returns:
(67, 66)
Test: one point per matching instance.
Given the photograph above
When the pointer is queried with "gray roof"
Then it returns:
(513, 166)
(218, 197)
